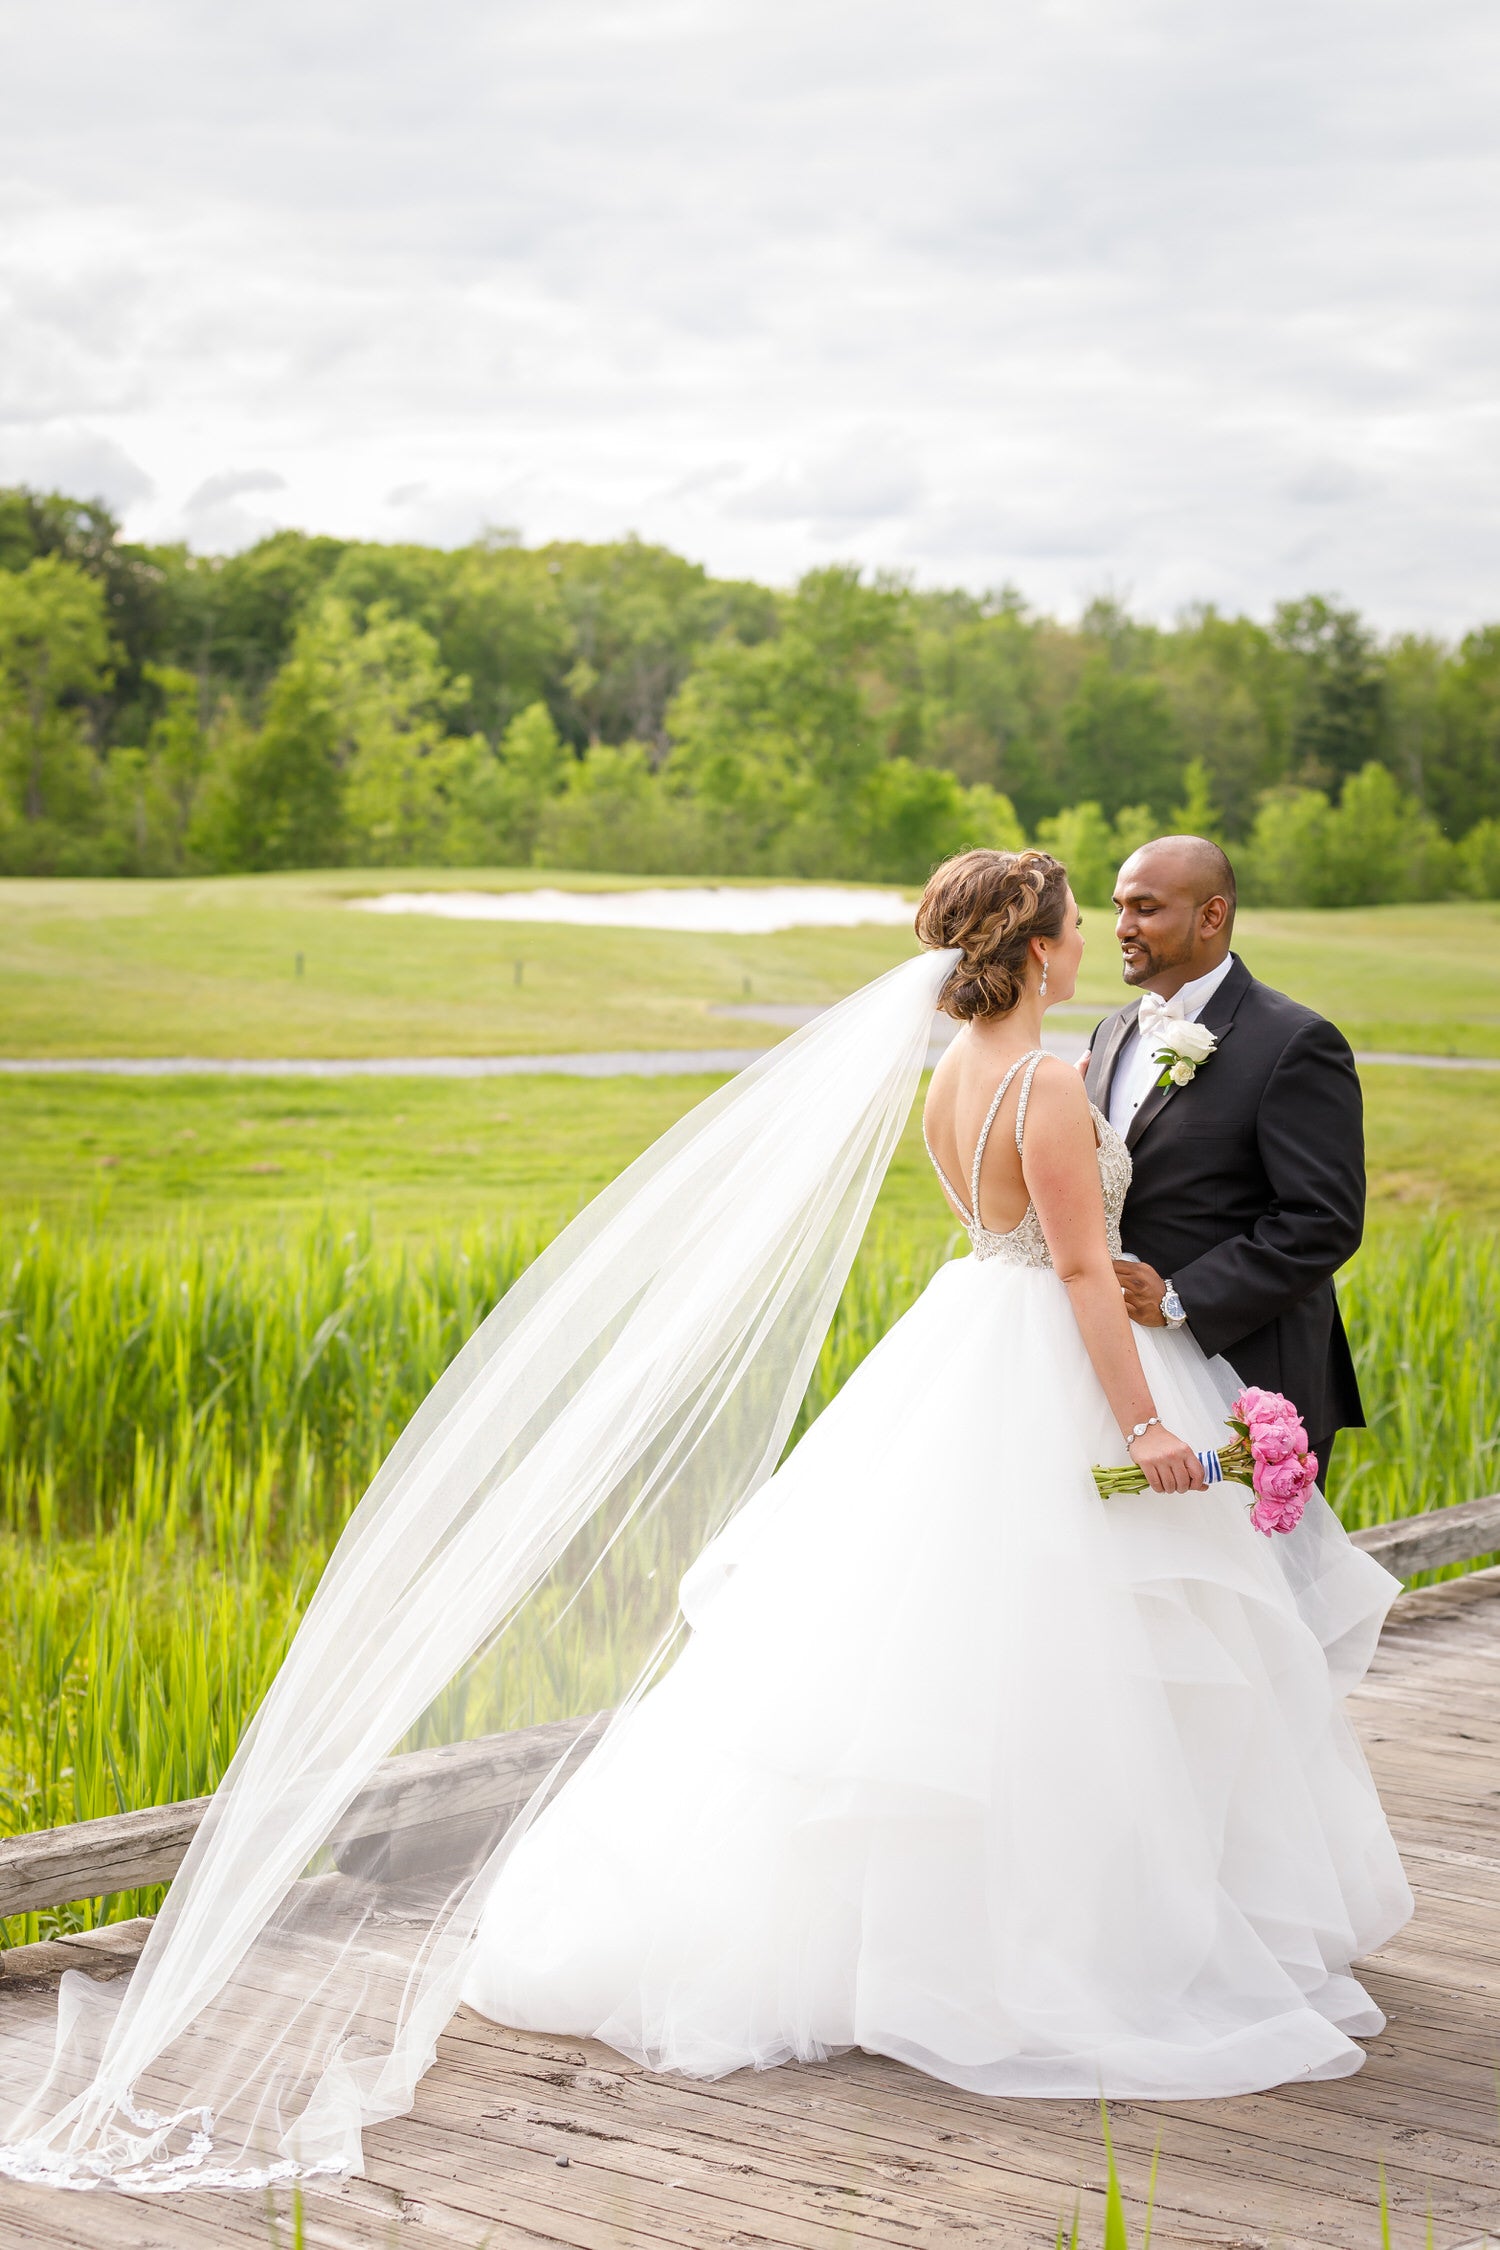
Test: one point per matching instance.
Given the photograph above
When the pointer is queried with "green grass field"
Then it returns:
(209, 968)
(425, 1157)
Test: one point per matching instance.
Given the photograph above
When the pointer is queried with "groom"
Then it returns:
(1249, 1185)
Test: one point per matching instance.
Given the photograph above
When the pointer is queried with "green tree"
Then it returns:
(984, 712)
(54, 660)
(1375, 847)
(358, 757)
(498, 802)
(1286, 861)
(909, 817)
(235, 618)
(1415, 665)
(1121, 740)
(1461, 773)
(1198, 814)
(784, 732)
(504, 628)
(279, 793)
(1231, 692)
(1479, 860)
(1093, 848)
(1339, 716)
(799, 732)
(392, 701)
(619, 811)
(36, 526)
(152, 791)
(639, 615)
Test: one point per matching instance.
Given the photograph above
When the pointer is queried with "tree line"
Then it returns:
(315, 702)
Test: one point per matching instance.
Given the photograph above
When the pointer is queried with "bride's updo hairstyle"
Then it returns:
(991, 905)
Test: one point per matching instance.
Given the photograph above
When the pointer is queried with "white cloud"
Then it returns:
(230, 484)
(62, 457)
(866, 480)
(1198, 301)
(212, 518)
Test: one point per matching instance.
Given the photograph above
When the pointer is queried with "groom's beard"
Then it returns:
(1139, 966)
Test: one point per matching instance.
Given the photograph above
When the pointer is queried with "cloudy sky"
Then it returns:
(1173, 298)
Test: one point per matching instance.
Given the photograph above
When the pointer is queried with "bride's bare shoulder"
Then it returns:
(1058, 1083)
(1058, 1097)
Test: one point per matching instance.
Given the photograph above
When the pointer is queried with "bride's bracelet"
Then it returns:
(1152, 1422)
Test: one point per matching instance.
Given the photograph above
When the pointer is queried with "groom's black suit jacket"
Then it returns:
(1249, 1190)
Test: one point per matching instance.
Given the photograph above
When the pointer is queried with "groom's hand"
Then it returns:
(1143, 1289)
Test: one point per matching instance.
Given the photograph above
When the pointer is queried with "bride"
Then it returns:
(1041, 1793)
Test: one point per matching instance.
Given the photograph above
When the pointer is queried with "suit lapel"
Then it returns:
(1123, 1029)
(1217, 1017)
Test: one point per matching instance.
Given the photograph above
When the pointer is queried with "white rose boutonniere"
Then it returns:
(1180, 1048)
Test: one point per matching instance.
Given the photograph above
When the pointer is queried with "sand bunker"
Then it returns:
(750, 912)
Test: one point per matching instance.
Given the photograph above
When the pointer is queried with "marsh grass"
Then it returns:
(1423, 1312)
(186, 1423)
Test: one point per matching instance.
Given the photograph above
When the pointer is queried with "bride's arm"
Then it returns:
(1061, 1169)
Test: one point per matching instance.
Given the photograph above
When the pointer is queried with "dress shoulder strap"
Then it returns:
(1025, 1098)
(984, 1131)
(949, 1189)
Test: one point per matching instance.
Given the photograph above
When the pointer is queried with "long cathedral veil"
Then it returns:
(514, 1565)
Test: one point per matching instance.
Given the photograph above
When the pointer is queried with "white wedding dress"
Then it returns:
(1042, 1793)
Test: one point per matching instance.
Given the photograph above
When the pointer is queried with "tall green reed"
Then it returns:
(145, 1374)
(1423, 1312)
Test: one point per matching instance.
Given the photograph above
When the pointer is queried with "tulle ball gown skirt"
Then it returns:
(961, 1764)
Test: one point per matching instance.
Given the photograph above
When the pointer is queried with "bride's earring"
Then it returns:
(1046, 964)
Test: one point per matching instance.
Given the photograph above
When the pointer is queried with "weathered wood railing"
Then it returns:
(496, 1774)
(478, 1782)
(1413, 1544)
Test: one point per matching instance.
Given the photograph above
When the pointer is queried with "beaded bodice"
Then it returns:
(1025, 1244)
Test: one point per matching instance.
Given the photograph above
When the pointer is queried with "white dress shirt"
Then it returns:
(1137, 1070)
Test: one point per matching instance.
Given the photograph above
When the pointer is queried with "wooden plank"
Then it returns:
(800, 2204)
(1450, 1598)
(1249, 2133)
(928, 2119)
(1019, 2157)
(1467, 1600)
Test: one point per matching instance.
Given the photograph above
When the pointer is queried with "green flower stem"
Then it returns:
(1236, 1461)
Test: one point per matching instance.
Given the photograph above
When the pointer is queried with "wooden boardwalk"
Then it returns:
(861, 2151)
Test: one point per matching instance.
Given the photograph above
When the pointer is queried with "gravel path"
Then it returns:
(683, 1062)
(669, 1063)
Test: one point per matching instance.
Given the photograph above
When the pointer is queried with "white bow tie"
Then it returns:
(1155, 1012)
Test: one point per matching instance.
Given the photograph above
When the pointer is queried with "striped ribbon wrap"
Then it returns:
(1232, 1464)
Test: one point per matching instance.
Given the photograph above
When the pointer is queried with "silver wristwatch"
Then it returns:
(1171, 1307)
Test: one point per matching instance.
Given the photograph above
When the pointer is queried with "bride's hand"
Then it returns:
(1167, 1464)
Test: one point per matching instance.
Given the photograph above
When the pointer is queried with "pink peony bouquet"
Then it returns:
(1269, 1453)
(1282, 1471)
